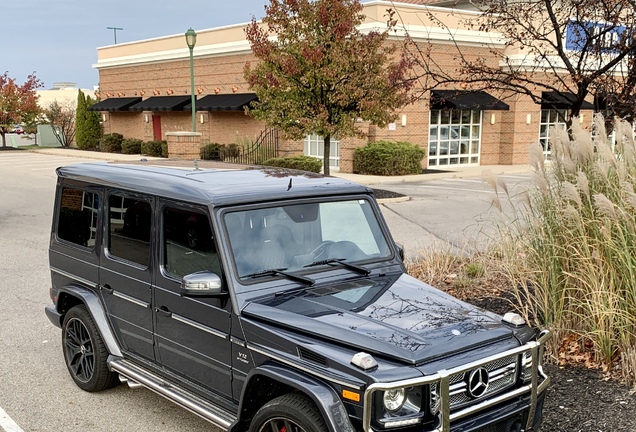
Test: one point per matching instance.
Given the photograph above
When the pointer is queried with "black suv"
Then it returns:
(273, 300)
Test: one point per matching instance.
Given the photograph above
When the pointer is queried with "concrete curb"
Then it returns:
(394, 200)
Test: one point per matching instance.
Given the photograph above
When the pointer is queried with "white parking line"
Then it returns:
(520, 177)
(463, 180)
(7, 423)
(457, 189)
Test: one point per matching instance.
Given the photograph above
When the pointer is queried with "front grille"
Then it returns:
(502, 374)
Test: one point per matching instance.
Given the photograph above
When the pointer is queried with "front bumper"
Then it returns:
(531, 392)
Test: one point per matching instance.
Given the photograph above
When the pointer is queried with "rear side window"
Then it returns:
(129, 228)
(77, 220)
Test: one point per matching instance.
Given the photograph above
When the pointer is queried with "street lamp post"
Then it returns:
(191, 40)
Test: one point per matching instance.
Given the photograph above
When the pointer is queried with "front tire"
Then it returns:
(288, 413)
(85, 353)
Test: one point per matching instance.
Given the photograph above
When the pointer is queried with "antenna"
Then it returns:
(114, 29)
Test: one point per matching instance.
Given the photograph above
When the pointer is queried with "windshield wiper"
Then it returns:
(282, 272)
(342, 262)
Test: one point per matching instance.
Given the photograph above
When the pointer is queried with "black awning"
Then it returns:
(114, 104)
(466, 100)
(561, 100)
(162, 103)
(224, 102)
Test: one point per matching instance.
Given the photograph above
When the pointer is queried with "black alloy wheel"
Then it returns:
(85, 352)
(288, 413)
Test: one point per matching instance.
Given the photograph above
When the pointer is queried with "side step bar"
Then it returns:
(219, 417)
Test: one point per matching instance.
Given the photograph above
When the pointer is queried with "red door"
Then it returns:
(156, 127)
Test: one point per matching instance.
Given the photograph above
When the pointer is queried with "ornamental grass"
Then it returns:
(571, 246)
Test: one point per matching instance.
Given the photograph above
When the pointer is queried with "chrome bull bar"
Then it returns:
(446, 418)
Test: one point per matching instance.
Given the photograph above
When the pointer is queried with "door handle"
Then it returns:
(107, 288)
(164, 311)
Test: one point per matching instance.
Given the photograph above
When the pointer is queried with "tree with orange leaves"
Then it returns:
(318, 72)
(18, 103)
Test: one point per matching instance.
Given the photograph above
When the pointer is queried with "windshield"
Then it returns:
(304, 237)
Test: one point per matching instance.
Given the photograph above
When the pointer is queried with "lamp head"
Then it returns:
(191, 38)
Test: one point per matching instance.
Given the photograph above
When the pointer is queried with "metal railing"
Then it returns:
(264, 147)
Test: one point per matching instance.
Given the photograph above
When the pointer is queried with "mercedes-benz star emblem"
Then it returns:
(478, 382)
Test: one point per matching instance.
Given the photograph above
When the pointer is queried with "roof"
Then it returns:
(223, 102)
(211, 186)
(114, 104)
(161, 103)
(562, 100)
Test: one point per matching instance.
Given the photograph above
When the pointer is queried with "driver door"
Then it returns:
(191, 333)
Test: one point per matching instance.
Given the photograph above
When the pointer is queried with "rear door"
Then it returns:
(125, 270)
(192, 333)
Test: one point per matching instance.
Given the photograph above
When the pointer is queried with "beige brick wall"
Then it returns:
(184, 145)
(130, 125)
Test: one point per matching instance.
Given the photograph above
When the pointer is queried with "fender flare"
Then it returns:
(95, 308)
(325, 397)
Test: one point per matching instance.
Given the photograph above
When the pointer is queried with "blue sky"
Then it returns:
(58, 38)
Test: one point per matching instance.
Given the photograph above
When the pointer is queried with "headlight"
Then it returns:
(526, 366)
(400, 407)
(394, 399)
(435, 400)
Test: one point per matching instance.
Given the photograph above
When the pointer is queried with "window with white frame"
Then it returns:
(551, 119)
(314, 147)
(454, 137)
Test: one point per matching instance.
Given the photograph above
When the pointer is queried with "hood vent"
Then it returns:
(305, 354)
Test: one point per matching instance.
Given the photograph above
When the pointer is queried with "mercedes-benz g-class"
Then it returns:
(273, 300)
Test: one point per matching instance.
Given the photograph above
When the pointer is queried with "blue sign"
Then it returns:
(604, 37)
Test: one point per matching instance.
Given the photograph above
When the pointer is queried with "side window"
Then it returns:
(188, 243)
(129, 228)
(77, 221)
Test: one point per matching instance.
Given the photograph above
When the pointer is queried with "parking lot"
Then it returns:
(38, 395)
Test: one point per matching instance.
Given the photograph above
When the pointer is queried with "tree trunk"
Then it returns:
(4, 139)
(326, 153)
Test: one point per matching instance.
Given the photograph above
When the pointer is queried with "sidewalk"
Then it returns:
(369, 180)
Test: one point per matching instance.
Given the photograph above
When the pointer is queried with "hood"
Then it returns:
(396, 316)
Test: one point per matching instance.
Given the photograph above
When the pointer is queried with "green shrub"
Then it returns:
(153, 148)
(212, 151)
(164, 149)
(388, 159)
(304, 163)
(131, 146)
(231, 151)
(111, 143)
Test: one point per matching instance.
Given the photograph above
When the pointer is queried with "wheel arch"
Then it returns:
(271, 380)
(73, 295)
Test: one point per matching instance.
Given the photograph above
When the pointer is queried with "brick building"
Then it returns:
(145, 92)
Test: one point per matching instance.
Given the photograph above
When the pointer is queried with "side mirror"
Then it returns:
(400, 250)
(202, 284)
